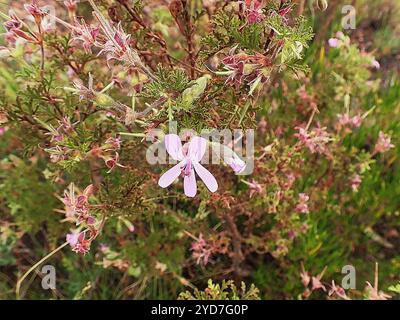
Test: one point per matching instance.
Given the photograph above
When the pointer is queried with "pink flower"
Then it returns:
(243, 67)
(355, 181)
(78, 242)
(337, 290)
(376, 64)
(356, 121)
(112, 143)
(35, 11)
(10, 38)
(57, 135)
(255, 187)
(284, 11)
(374, 294)
(109, 153)
(14, 31)
(189, 163)
(117, 46)
(346, 120)
(13, 23)
(71, 5)
(3, 130)
(112, 162)
(235, 65)
(86, 34)
(343, 119)
(104, 248)
(315, 140)
(302, 206)
(305, 277)
(317, 284)
(252, 11)
(384, 143)
(77, 205)
(72, 239)
(201, 250)
(333, 42)
(316, 281)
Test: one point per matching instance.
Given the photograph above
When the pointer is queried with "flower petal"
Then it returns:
(174, 146)
(189, 184)
(72, 239)
(237, 164)
(168, 177)
(197, 148)
(88, 190)
(205, 175)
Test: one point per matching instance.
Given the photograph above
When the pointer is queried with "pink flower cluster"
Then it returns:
(117, 46)
(383, 144)
(78, 242)
(85, 34)
(14, 26)
(337, 291)
(245, 68)
(252, 11)
(109, 153)
(201, 250)
(77, 209)
(315, 140)
(57, 135)
(315, 282)
(77, 205)
(346, 120)
(111, 39)
(302, 206)
(34, 10)
(373, 293)
(71, 5)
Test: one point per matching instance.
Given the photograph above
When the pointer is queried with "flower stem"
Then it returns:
(37, 264)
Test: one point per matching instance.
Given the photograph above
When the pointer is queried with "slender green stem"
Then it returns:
(37, 264)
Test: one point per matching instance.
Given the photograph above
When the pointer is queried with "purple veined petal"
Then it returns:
(206, 176)
(174, 146)
(170, 176)
(197, 148)
(190, 185)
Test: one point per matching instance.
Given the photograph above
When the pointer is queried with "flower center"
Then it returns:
(187, 168)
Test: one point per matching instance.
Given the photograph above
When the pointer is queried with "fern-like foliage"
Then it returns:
(227, 290)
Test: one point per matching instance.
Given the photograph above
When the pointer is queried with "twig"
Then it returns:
(136, 17)
(137, 115)
(41, 44)
(189, 40)
(237, 257)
